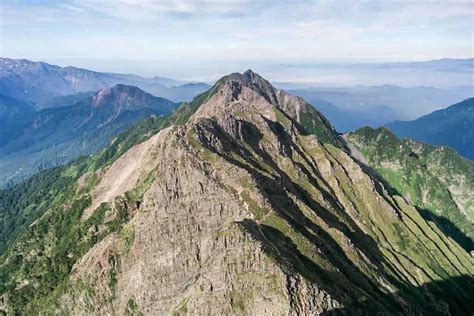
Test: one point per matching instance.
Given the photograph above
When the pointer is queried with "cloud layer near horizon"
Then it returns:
(206, 31)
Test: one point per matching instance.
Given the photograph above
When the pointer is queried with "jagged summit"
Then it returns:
(249, 93)
(231, 210)
(248, 77)
(250, 80)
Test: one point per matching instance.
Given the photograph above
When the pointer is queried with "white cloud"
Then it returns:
(229, 30)
(149, 9)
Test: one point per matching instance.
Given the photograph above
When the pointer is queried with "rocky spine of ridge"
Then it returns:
(251, 92)
(243, 210)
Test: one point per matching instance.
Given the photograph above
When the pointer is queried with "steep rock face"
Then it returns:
(188, 250)
(242, 212)
(249, 92)
(239, 210)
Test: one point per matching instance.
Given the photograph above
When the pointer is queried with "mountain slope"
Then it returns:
(435, 179)
(10, 106)
(453, 126)
(55, 136)
(295, 107)
(10, 109)
(68, 100)
(40, 82)
(239, 209)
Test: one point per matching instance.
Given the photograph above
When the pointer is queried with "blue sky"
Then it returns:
(178, 34)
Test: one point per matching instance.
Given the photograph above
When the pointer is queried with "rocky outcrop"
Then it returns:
(250, 205)
(241, 212)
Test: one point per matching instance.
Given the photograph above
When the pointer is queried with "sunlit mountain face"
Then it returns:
(251, 194)
(236, 157)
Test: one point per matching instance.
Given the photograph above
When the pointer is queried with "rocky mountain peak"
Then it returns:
(250, 95)
(239, 95)
(252, 81)
(248, 77)
(238, 211)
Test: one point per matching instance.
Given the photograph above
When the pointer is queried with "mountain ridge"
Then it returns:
(40, 82)
(231, 205)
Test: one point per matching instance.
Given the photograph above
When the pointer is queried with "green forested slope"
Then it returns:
(435, 179)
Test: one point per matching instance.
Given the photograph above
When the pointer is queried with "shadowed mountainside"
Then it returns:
(244, 201)
(435, 179)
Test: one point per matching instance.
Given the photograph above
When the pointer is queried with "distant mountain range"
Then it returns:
(453, 126)
(50, 114)
(39, 82)
(350, 108)
(347, 119)
(442, 65)
(35, 140)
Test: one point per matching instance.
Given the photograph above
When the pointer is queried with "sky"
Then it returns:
(204, 38)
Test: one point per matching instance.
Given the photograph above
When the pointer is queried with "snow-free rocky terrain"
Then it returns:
(244, 201)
